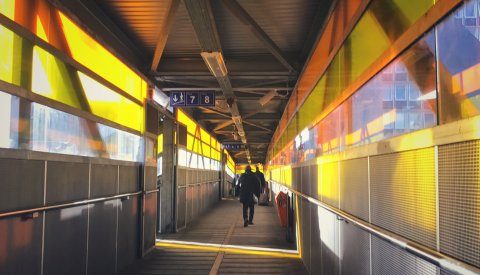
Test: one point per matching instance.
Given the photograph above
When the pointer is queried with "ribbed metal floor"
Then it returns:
(223, 225)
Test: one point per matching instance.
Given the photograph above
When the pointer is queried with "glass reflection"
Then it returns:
(9, 120)
(459, 63)
(58, 132)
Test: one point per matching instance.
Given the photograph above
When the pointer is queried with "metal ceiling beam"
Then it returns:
(258, 116)
(203, 22)
(267, 89)
(227, 123)
(163, 35)
(246, 19)
(261, 65)
(242, 74)
(226, 132)
(211, 77)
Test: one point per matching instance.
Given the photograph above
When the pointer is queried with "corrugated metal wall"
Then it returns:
(197, 191)
(97, 238)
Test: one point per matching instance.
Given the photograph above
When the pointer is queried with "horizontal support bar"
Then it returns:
(66, 205)
(152, 191)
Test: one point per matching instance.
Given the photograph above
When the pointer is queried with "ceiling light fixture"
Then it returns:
(215, 63)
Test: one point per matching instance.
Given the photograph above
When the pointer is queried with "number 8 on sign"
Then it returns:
(207, 99)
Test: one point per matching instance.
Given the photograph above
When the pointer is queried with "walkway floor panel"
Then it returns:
(205, 247)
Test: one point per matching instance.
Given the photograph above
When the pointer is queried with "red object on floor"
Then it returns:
(281, 201)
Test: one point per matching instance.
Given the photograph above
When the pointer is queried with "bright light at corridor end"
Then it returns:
(237, 249)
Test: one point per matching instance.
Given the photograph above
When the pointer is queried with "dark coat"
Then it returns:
(249, 185)
(261, 178)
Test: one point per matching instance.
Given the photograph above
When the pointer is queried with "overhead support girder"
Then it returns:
(203, 22)
(163, 35)
(246, 19)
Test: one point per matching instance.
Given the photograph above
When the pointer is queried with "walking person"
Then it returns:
(249, 186)
(261, 178)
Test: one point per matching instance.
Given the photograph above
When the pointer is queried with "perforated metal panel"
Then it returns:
(306, 179)
(315, 242)
(328, 224)
(459, 200)
(329, 183)
(296, 179)
(305, 228)
(354, 187)
(390, 260)
(403, 195)
(354, 249)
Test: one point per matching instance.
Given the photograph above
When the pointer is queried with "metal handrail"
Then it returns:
(66, 205)
(426, 253)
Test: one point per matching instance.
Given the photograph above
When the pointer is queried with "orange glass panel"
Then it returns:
(94, 56)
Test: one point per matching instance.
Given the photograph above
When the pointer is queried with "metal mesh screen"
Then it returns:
(459, 200)
(306, 180)
(328, 224)
(296, 180)
(329, 183)
(391, 260)
(403, 195)
(305, 218)
(354, 187)
(354, 249)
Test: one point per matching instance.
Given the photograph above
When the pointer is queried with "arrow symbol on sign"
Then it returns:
(175, 99)
(181, 97)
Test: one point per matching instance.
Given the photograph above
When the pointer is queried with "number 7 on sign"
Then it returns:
(192, 99)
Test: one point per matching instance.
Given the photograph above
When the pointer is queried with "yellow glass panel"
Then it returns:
(365, 51)
(413, 12)
(206, 149)
(41, 30)
(189, 142)
(160, 144)
(6, 54)
(196, 146)
(183, 118)
(53, 79)
(7, 8)
(380, 26)
(111, 105)
(205, 136)
(94, 56)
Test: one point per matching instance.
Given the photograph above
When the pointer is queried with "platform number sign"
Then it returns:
(177, 99)
(192, 99)
(207, 99)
